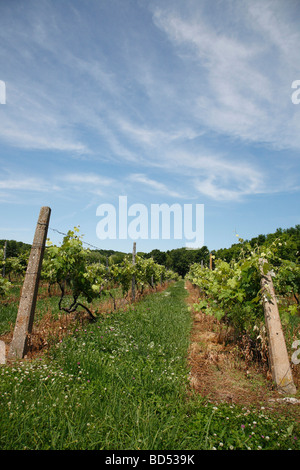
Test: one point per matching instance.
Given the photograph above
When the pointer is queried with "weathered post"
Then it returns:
(24, 322)
(133, 277)
(279, 360)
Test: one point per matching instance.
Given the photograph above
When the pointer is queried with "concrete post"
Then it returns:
(279, 360)
(24, 322)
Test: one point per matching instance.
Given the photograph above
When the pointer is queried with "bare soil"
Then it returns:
(224, 372)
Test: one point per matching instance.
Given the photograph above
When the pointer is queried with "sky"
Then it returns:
(186, 102)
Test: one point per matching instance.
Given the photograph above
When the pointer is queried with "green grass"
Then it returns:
(122, 383)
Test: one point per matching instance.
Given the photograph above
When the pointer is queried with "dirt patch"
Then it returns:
(220, 372)
(48, 329)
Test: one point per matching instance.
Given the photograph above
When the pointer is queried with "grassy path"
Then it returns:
(122, 383)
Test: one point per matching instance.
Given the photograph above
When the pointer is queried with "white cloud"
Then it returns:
(90, 183)
(217, 176)
(245, 72)
(214, 188)
(154, 185)
(33, 119)
(67, 93)
(89, 179)
(23, 183)
(150, 136)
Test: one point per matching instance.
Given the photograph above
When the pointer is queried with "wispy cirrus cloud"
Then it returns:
(90, 183)
(154, 186)
(72, 91)
(245, 72)
(90, 179)
(20, 188)
(27, 183)
(216, 176)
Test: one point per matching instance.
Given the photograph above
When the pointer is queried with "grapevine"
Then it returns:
(232, 291)
(67, 265)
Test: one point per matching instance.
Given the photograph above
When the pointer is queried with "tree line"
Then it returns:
(180, 260)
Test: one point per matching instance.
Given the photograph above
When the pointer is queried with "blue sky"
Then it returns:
(162, 101)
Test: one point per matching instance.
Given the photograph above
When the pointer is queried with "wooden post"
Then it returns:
(210, 261)
(279, 360)
(133, 277)
(24, 322)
